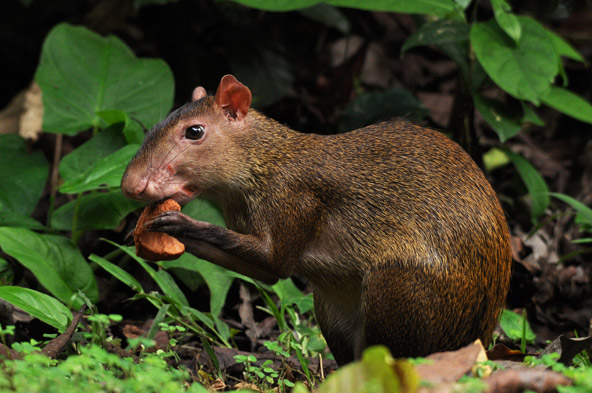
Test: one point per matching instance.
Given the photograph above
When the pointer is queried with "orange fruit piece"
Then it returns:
(157, 246)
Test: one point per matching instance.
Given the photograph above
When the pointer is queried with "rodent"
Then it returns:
(398, 230)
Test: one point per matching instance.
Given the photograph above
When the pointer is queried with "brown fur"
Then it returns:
(398, 230)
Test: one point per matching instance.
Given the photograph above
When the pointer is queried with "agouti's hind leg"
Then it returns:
(335, 329)
(413, 318)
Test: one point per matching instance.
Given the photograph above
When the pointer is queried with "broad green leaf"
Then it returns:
(463, 4)
(369, 108)
(132, 131)
(81, 73)
(583, 211)
(329, 16)
(105, 142)
(563, 48)
(506, 20)
(117, 272)
(11, 219)
(22, 176)
(54, 260)
(39, 305)
(535, 184)
(440, 31)
(434, 7)
(499, 116)
(524, 70)
(203, 210)
(569, 103)
(511, 324)
(105, 173)
(97, 210)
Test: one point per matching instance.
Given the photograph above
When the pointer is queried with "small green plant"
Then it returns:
(264, 375)
(516, 327)
(6, 331)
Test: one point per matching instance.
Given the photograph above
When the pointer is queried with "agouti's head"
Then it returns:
(193, 149)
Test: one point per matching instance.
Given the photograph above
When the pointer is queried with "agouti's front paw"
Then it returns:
(174, 223)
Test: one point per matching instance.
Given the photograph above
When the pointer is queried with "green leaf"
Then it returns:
(432, 7)
(499, 116)
(440, 31)
(583, 211)
(376, 372)
(117, 272)
(39, 305)
(98, 210)
(54, 260)
(105, 173)
(216, 278)
(203, 210)
(569, 103)
(563, 48)
(535, 184)
(22, 176)
(165, 282)
(105, 142)
(507, 21)
(495, 158)
(370, 108)
(81, 73)
(524, 70)
(132, 131)
(329, 16)
(11, 219)
(530, 116)
(511, 323)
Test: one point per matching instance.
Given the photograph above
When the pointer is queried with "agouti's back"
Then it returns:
(398, 230)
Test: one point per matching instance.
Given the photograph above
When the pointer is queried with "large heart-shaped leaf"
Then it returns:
(54, 260)
(39, 305)
(525, 70)
(82, 73)
(22, 176)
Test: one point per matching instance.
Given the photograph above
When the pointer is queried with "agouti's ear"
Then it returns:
(198, 93)
(233, 97)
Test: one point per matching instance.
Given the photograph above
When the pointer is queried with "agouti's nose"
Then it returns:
(133, 186)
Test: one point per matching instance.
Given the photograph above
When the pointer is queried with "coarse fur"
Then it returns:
(398, 230)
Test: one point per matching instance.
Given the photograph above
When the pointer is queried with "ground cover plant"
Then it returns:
(480, 71)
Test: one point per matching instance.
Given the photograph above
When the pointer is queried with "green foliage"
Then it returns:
(23, 178)
(81, 74)
(438, 7)
(39, 305)
(94, 370)
(516, 327)
(55, 260)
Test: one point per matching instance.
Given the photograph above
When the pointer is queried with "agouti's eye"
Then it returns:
(195, 132)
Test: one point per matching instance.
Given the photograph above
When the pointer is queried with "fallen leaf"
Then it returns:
(519, 380)
(450, 366)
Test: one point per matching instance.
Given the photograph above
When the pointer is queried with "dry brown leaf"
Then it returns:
(519, 380)
(450, 366)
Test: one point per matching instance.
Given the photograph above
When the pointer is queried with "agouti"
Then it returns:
(398, 230)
